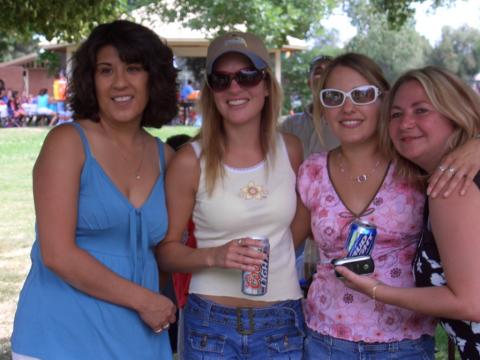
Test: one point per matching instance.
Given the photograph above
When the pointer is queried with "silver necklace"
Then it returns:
(139, 167)
(359, 179)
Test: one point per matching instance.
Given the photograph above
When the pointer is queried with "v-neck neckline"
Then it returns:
(120, 193)
(356, 215)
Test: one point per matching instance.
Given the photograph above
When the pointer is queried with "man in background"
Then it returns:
(301, 125)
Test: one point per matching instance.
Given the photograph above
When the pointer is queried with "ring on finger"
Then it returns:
(165, 327)
(442, 168)
(451, 170)
(239, 242)
(158, 331)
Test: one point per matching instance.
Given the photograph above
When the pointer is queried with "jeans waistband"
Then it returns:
(247, 320)
(361, 346)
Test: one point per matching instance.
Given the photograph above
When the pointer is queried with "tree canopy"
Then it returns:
(73, 19)
(66, 19)
(458, 51)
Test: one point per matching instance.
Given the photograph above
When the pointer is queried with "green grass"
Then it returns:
(18, 151)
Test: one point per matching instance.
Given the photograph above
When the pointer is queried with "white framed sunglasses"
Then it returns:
(361, 95)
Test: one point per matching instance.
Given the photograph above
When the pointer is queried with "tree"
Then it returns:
(11, 47)
(458, 51)
(66, 19)
(395, 50)
(273, 19)
(72, 19)
(397, 13)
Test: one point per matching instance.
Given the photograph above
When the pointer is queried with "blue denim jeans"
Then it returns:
(213, 331)
(318, 346)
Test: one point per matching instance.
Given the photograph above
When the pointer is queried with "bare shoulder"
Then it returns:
(62, 142)
(295, 150)
(184, 168)
(455, 214)
(456, 203)
(186, 157)
(169, 153)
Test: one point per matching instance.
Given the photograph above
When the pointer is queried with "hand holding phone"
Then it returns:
(361, 265)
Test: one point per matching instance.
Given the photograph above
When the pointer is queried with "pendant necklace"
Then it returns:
(139, 167)
(359, 179)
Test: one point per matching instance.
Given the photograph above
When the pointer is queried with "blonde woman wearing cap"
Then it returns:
(237, 180)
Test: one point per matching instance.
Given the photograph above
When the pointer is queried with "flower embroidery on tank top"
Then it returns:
(252, 191)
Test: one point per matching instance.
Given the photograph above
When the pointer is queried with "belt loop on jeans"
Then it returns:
(240, 329)
(208, 310)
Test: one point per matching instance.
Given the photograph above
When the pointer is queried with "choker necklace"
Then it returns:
(139, 167)
(359, 179)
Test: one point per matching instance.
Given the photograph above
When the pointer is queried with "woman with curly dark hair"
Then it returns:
(93, 289)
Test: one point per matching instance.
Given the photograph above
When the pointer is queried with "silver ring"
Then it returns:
(165, 327)
(158, 331)
(442, 168)
(239, 242)
(452, 170)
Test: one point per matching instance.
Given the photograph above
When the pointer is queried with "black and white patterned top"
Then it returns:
(428, 271)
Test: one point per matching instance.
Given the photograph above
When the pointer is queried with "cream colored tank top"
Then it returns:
(249, 202)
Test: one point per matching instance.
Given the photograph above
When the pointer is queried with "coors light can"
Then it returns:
(255, 282)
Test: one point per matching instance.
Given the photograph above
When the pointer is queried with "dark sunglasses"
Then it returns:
(246, 78)
(362, 95)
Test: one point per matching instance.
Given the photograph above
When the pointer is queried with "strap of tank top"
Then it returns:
(81, 132)
(161, 155)
(197, 149)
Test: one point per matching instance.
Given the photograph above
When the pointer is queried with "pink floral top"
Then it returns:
(332, 308)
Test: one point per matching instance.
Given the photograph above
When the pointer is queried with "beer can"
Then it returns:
(255, 282)
(361, 238)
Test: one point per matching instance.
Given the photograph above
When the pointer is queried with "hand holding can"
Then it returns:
(255, 282)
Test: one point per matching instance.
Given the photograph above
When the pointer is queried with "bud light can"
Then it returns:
(255, 282)
(361, 238)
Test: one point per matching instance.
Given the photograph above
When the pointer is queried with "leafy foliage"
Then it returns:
(458, 51)
(12, 47)
(273, 19)
(397, 13)
(67, 19)
(395, 50)
(71, 20)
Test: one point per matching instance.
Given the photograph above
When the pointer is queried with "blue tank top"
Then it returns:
(56, 321)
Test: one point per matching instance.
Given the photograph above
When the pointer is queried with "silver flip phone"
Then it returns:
(361, 265)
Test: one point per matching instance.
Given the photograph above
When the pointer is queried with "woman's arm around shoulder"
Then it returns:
(56, 183)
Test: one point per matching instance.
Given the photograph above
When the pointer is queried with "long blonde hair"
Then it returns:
(451, 97)
(212, 133)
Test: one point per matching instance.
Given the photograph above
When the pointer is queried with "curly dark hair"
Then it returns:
(135, 44)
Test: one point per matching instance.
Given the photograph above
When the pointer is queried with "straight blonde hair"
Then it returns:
(212, 133)
(451, 97)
